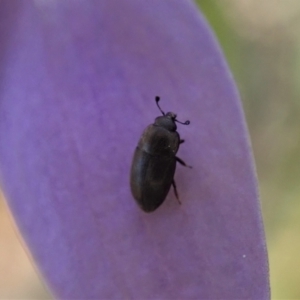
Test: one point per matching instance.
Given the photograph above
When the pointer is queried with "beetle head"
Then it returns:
(167, 121)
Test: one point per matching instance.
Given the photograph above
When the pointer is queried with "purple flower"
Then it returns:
(78, 81)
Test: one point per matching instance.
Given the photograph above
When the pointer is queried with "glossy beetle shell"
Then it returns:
(153, 166)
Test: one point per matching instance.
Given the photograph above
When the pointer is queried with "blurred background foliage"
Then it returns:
(260, 39)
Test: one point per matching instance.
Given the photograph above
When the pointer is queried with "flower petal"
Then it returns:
(78, 89)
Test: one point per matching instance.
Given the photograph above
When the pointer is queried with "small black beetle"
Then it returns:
(154, 162)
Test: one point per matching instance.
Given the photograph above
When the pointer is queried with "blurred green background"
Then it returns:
(260, 39)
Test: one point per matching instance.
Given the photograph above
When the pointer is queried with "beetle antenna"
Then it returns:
(156, 100)
(185, 123)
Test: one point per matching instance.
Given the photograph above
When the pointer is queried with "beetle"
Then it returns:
(154, 161)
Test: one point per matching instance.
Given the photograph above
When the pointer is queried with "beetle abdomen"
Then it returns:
(151, 178)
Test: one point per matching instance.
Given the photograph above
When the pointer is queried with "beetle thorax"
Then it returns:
(167, 121)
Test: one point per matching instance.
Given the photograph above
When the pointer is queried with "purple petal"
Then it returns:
(77, 89)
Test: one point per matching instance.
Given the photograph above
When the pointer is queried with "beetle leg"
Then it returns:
(182, 162)
(181, 141)
(175, 191)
